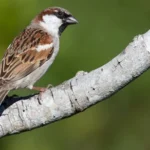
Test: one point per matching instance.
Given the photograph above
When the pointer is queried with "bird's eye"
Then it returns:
(60, 14)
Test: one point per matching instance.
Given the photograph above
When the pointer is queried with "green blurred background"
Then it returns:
(121, 122)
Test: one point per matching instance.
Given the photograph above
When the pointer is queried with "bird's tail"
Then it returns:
(3, 95)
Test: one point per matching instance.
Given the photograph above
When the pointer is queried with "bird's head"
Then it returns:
(54, 20)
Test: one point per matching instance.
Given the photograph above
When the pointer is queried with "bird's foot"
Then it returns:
(49, 86)
(42, 90)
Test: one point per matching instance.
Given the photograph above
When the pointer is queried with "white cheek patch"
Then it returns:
(44, 47)
(51, 23)
(51, 19)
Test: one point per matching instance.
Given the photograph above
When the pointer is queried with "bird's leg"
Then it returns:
(41, 90)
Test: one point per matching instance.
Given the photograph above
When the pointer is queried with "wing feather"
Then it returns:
(22, 57)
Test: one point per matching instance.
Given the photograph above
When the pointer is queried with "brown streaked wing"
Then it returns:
(24, 67)
(23, 58)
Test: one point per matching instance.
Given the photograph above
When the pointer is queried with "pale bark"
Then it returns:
(78, 93)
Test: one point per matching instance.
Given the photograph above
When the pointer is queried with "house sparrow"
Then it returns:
(33, 51)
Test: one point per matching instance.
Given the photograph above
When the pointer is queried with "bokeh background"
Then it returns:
(121, 122)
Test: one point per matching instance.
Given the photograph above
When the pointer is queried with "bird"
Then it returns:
(33, 51)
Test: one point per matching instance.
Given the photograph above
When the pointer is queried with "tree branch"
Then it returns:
(77, 94)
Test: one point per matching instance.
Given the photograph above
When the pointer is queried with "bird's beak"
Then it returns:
(71, 20)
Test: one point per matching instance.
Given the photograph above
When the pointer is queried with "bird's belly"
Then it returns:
(29, 80)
